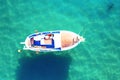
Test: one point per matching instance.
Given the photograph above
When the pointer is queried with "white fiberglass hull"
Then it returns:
(61, 41)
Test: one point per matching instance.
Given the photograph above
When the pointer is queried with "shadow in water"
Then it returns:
(44, 67)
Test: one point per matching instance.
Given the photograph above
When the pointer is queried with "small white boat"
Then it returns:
(52, 41)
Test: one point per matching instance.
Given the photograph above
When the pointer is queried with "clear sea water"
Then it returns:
(96, 59)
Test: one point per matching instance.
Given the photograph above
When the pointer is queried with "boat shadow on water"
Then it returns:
(44, 67)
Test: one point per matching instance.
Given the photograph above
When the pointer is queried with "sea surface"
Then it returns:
(98, 58)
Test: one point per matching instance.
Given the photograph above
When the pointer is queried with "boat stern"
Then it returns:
(27, 42)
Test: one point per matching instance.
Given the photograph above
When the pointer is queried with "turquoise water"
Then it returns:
(96, 59)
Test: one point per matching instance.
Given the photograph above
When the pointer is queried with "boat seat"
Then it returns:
(38, 43)
(48, 45)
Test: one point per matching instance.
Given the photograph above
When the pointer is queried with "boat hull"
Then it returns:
(61, 41)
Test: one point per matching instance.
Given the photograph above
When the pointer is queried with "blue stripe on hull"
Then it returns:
(43, 33)
(34, 35)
